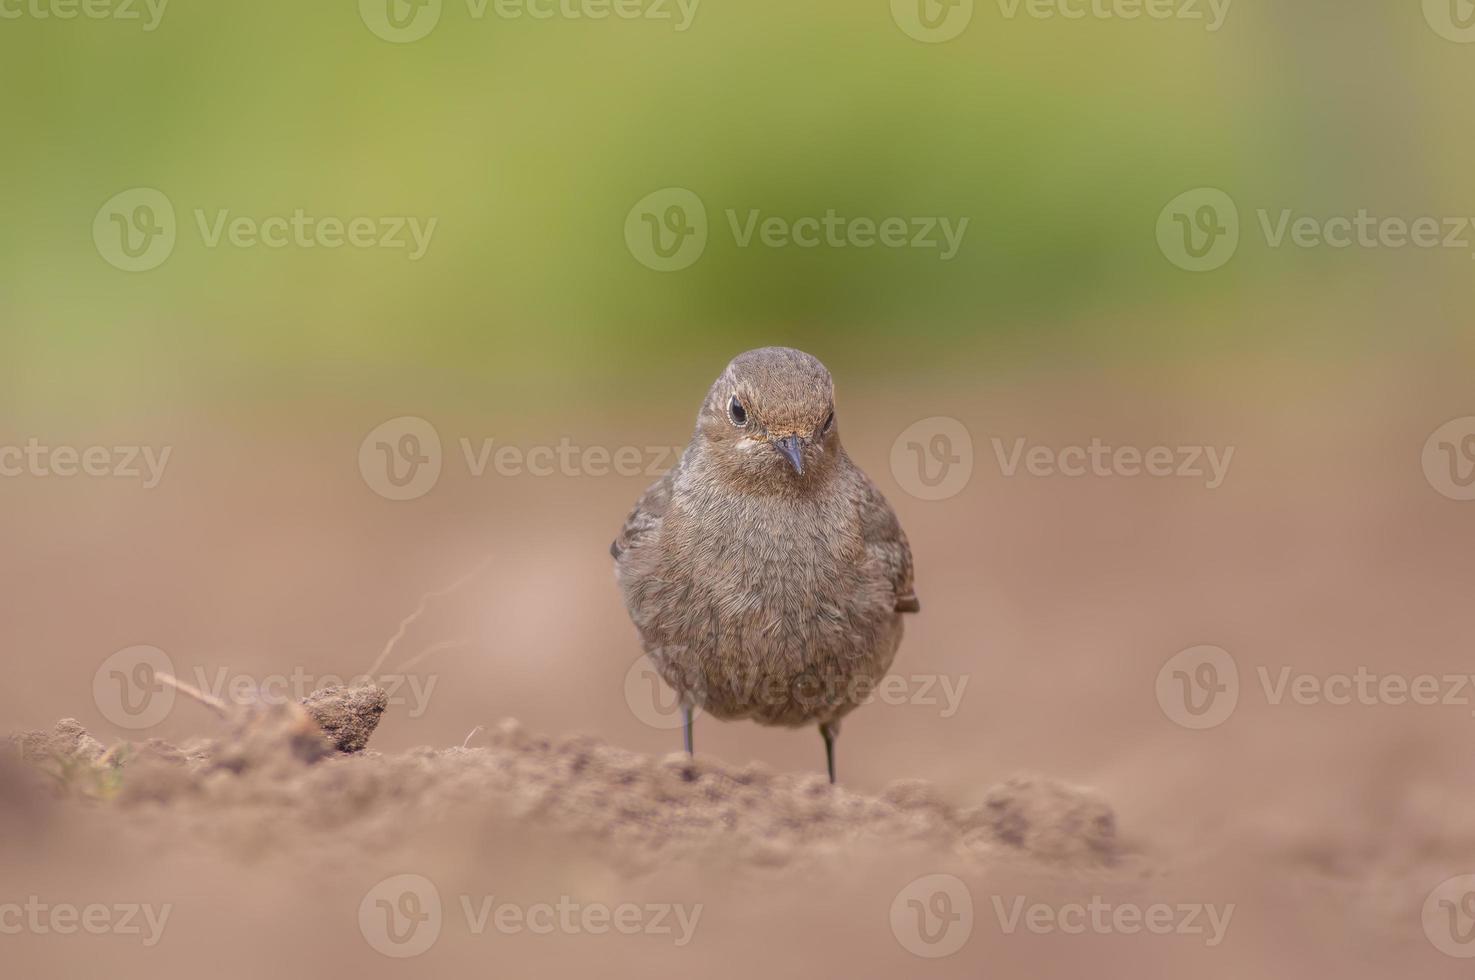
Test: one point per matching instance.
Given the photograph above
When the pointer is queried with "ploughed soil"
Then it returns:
(1055, 791)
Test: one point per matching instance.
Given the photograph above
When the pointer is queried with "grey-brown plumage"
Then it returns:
(766, 573)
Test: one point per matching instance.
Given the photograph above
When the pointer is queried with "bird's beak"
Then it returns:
(792, 449)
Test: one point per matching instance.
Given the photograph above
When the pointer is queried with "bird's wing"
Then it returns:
(645, 518)
(887, 543)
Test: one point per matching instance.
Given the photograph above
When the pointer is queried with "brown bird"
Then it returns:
(765, 572)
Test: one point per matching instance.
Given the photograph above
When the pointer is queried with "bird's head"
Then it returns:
(769, 420)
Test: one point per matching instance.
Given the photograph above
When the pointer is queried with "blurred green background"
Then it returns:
(529, 141)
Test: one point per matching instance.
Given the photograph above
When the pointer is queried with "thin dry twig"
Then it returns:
(435, 648)
(409, 620)
(208, 700)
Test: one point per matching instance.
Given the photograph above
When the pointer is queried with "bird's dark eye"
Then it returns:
(829, 421)
(736, 411)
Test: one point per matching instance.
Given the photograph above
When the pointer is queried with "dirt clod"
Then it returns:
(348, 715)
(67, 741)
(1050, 820)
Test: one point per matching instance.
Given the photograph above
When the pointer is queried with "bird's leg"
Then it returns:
(686, 726)
(829, 730)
